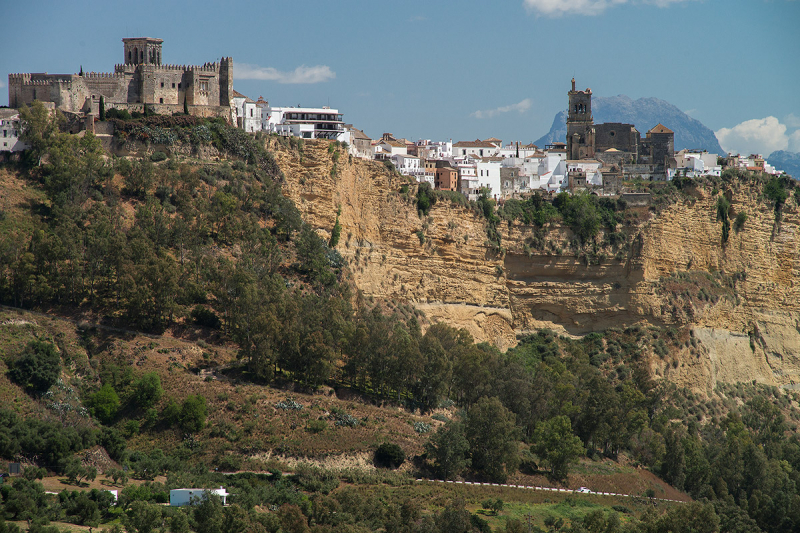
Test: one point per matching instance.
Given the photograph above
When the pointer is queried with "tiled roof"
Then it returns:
(660, 128)
(477, 143)
(237, 94)
(8, 113)
(396, 144)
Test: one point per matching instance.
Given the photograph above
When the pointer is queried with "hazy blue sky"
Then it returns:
(454, 69)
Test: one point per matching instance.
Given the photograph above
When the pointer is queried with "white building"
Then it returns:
(179, 497)
(428, 149)
(408, 165)
(10, 131)
(590, 167)
(304, 122)
(390, 148)
(488, 173)
(248, 113)
(694, 163)
(516, 149)
(476, 147)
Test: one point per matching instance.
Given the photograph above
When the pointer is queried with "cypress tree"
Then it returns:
(185, 106)
(102, 108)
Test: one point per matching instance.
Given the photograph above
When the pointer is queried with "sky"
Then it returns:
(453, 69)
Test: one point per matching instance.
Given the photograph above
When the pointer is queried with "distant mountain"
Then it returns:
(643, 113)
(789, 162)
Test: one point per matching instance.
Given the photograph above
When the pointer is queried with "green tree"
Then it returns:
(449, 448)
(102, 108)
(556, 445)
(389, 455)
(185, 106)
(39, 126)
(105, 403)
(147, 390)
(142, 517)
(491, 431)
(38, 368)
(193, 413)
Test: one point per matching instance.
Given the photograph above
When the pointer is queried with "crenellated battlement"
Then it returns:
(141, 78)
(102, 75)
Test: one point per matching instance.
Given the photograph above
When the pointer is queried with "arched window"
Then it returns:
(135, 55)
(141, 56)
(129, 56)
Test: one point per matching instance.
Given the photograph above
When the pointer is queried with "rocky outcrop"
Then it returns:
(740, 299)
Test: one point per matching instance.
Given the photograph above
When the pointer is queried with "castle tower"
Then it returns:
(142, 51)
(580, 139)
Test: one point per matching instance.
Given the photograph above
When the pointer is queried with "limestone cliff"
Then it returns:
(740, 300)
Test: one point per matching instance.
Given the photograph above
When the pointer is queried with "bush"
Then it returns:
(38, 368)
(105, 403)
(426, 198)
(147, 390)
(389, 455)
(158, 156)
(193, 413)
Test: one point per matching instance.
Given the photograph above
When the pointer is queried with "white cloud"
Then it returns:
(302, 74)
(519, 107)
(557, 8)
(2, 84)
(757, 136)
(791, 120)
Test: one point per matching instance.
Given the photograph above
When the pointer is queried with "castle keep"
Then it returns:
(140, 79)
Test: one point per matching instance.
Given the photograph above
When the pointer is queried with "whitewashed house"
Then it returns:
(248, 113)
(477, 147)
(10, 130)
(408, 165)
(180, 497)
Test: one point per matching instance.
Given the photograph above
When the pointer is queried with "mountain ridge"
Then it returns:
(644, 113)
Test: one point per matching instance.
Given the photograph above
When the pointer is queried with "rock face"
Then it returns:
(643, 113)
(741, 301)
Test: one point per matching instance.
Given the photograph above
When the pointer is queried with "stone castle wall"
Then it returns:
(210, 84)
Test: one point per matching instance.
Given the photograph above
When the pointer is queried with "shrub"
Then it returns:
(104, 404)
(741, 218)
(147, 390)
(38, 368)
(426, 198)
(193, 413)
(389, 455)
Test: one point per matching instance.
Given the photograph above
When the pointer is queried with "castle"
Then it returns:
(141, 79)
(617, 146)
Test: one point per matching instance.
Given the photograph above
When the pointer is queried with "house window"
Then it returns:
(160, 100)
(179, 86)
(5, 133)
(173, 85)
(251, 112)
(162, 84)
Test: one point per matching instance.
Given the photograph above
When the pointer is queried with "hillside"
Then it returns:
(644, 113)
(272, 315)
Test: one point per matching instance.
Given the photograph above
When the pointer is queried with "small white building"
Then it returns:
(408, 165)
(248, 113)
(477, 147)
(10, 130)
(179, 497)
